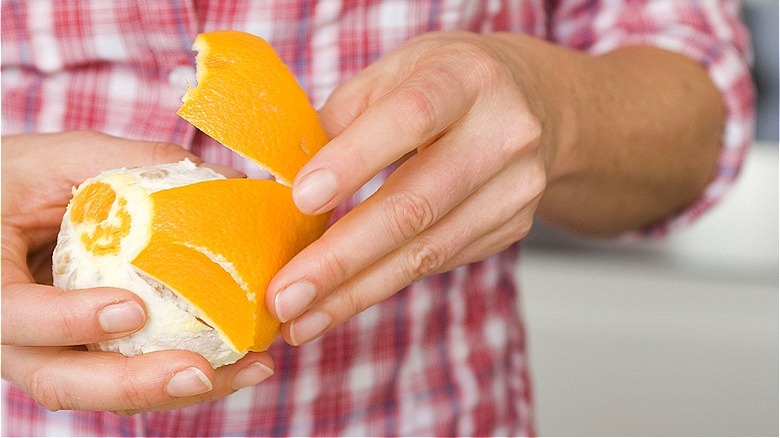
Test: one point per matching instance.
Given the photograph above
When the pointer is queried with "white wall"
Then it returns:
(678, 337)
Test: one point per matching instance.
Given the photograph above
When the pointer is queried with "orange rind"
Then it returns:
(248, 100)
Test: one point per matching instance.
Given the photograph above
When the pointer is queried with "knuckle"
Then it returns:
(423, 258)
(482, 68)
(418, 110)
(71, 324)
(335, 267)
(410, 214)
(522, 231)
(133, 393)
(532, 129)
(45, 390)
(346, 304)
(78, 318)
(522, 133)
(164, 152)
(355, 302)
(533, 183)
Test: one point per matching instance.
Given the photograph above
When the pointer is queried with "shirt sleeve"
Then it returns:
(710, 32)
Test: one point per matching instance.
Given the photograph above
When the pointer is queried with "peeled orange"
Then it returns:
(200, 249)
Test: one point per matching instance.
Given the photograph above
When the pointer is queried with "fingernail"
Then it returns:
(315, 190)
(188, 382)
(122, 317)
(308, 327)
(251, 375)
(293, 300)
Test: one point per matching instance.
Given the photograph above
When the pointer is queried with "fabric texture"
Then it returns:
(445, 356)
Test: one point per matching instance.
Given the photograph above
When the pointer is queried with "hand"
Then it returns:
(470, 122)
(44, 328)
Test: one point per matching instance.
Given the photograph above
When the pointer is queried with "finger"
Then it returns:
(416, 195)
(77, 155)
(352, 97)
(426, 253)
(347, 102)
(418, 109)
(493, 242)
(487, 209)
(528, 183)
(38, 172)
(508, 233)
(251, 370)
(36, 315)
(56, 377)
(96, 152)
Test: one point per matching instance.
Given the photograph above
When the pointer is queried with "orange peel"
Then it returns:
(200, 249)
(274, 125)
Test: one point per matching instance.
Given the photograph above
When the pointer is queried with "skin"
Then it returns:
(495, 131)
(596, 145)
(38, 172)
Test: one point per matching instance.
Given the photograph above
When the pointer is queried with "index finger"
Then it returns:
(411, 114)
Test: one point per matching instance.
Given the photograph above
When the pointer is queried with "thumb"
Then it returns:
(36, 315)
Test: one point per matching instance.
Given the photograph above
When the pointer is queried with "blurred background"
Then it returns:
(674, 337)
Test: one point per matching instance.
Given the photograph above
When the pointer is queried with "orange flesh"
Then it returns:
(251, 224)
(92, 204)
(91, 207)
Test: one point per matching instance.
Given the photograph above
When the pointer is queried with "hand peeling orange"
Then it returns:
(198, 248)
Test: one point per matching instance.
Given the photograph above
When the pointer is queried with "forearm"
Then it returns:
(637, 134)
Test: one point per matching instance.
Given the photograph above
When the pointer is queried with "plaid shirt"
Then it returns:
(445, 356)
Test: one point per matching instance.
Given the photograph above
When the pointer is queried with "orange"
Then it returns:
(216, 243)
(248, 100)
(252, 226)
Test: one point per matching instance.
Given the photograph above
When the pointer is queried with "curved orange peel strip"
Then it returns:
(217, 244)
(247, 99)
(249, 226)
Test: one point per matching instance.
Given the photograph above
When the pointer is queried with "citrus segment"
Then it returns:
(247, 99)
(247, 228)
(93, 203)
(103, 220)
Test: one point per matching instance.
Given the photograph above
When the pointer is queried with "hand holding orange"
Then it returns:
(198, 248)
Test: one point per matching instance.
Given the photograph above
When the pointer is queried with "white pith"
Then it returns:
(173, 323)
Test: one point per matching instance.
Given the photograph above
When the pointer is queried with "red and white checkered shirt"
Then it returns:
(445, 356)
